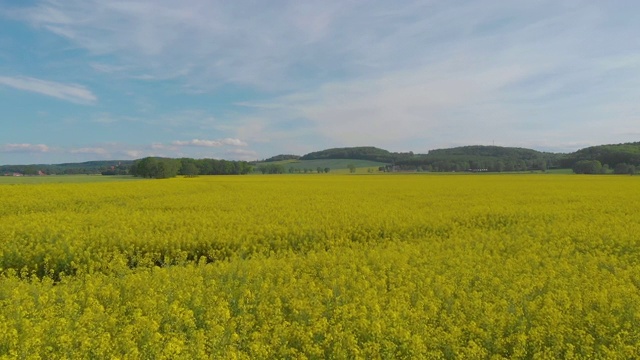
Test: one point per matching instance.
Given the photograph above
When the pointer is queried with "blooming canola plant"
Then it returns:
(322, 266)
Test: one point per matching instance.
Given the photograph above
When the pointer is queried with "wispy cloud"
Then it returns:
(291, 44)
(210, 143)
(160, 146)
(241, 154)
(70, 92)
(269, 46)
(228, 148)
(134, 154)
(25, 148)
(90, 150)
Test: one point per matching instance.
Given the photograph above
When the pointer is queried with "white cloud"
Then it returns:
(91, 150)
(121, 151)
(134, 154)
(233, 142)
(70, 92)
(160, 146)
(210, 143)
(242, 154)
(25, 148)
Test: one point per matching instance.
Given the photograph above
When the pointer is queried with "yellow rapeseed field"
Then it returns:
(322, 266)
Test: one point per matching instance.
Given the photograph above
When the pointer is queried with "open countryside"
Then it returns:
(319, 180)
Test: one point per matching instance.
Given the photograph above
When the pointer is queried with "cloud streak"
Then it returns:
(281, 45)
(90, 150)
(210, 143)
(25, 148)
(227, 148)
(69, 92)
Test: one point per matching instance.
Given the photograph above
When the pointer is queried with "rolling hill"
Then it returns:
(476, 157)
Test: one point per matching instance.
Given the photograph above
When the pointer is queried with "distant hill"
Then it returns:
(488, 151)
(477, 157)
(612, 154)
(282, 157)
(87, 167)
(369, 153)
(483, 158)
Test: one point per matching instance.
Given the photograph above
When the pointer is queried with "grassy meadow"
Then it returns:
(526, 266)
(336, 166)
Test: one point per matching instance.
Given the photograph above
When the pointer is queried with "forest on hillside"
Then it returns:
(620, 158)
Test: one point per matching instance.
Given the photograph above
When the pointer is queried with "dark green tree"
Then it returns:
(621, 168)
(189, 169)
(158, 168)
(587, 167)
(271, 169)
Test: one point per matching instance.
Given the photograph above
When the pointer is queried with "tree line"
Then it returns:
(457, 163)
(162, 168)
(611, 155)
(280, 169)
(596, 167)
(109, 167)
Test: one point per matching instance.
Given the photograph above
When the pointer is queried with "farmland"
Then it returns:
(62, 179)
(335, 165)
(322, 266)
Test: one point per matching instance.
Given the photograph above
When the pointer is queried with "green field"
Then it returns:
(336, 165)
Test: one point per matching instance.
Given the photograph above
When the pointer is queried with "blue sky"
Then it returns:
(98, 79)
